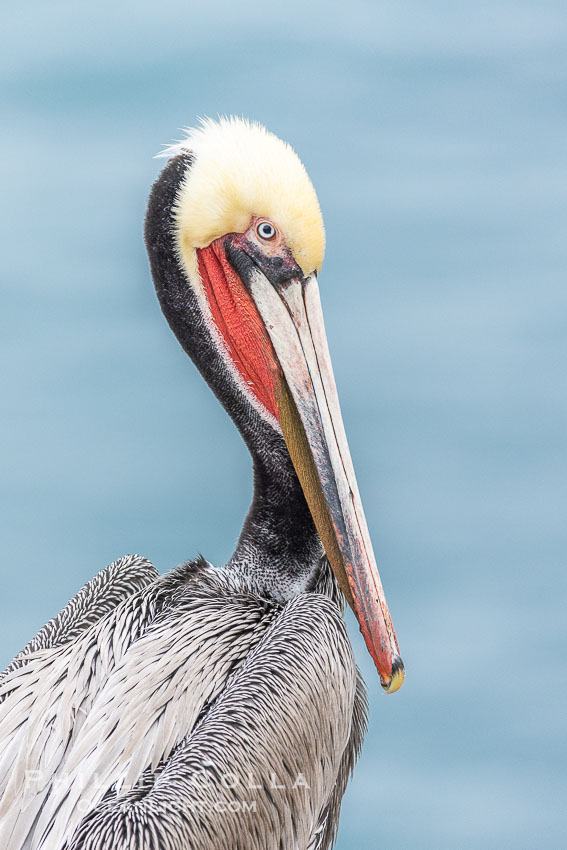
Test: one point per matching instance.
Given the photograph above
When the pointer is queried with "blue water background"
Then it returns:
(436, 136)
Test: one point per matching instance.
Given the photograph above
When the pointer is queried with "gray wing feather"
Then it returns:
(181, 677)
(151, 700)
(326, 833)
(46, 692)
(94, 600)
(259, 770)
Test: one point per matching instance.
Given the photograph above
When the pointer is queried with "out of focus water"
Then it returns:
(435, 134)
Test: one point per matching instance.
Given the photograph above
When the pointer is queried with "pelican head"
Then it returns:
(247, 234)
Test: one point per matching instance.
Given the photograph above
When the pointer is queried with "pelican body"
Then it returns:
(217, 707)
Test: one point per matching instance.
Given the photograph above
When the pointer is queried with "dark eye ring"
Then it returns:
(265, 230)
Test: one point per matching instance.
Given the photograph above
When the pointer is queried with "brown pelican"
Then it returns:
(217, 707)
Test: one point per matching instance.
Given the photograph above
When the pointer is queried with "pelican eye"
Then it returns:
(265, 230)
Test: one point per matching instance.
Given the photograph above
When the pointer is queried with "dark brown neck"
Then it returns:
(279, 548)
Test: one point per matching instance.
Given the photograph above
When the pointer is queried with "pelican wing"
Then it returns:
(96, 598)
(263, 767)
(47, 690)
(193, 715)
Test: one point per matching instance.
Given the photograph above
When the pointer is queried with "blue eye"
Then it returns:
(265, 230)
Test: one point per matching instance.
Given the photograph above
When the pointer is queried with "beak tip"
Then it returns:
(396, 680)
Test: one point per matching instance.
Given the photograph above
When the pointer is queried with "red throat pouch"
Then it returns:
(240, 325)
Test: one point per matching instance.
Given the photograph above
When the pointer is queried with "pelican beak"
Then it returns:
(312, 426)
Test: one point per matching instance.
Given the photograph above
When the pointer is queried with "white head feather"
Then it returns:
(240, 169)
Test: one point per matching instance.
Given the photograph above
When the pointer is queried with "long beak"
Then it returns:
(313, 429)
